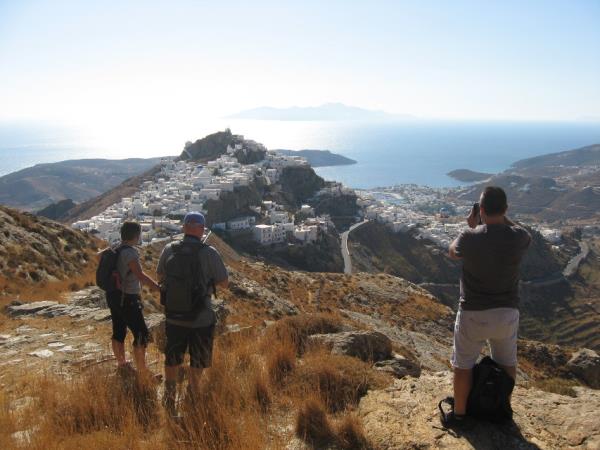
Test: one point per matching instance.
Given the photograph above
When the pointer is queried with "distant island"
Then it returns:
(319, 158)
(327, 111)
(468, 176)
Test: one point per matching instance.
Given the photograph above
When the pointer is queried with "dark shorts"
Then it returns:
(199, 341)
(126, 313)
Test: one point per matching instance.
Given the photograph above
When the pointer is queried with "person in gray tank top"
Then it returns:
(126, 304)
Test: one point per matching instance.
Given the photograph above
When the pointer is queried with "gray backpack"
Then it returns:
(184, 292)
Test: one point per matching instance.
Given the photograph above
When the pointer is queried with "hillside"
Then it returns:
(79, 180)
(39, 253)
(57, 210)
(555, 187)
(304, 360)
(375, 248)
(579, 158)
(96, 205)
(319, 158)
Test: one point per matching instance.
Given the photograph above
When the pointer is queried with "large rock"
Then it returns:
(585, 364)
(405, 416)
(432, 346)
(366, 345)
(91, 297)
(29, 308)
(399, 367)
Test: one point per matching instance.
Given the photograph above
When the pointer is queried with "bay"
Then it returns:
(387, 153)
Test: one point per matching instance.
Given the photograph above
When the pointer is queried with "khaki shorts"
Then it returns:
(498, 327)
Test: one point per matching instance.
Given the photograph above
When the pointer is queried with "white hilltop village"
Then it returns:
(181, 186)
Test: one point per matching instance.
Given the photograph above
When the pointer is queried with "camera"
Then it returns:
(476, 213)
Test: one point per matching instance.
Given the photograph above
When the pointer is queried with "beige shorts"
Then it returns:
(498, 327)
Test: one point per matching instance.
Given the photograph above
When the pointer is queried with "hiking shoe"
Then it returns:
(453, 421)
(449, 419)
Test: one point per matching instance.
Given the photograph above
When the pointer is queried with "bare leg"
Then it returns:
(139, 355)
(118, 349)
(195, 376)
(171, 375)
(463, 380)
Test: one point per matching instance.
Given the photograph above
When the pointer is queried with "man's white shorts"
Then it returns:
(498, 326)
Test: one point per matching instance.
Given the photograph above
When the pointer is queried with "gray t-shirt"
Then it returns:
(491, 257)
(130, 283)
(213, 270)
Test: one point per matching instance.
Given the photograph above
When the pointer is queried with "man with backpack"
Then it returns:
(120, 274)
(491, 250)
(189, 272)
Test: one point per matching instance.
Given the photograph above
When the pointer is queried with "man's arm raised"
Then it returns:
(452, 250)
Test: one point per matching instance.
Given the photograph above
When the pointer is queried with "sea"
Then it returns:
(387, 153)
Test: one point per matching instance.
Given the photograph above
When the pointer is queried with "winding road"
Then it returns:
(345, 250)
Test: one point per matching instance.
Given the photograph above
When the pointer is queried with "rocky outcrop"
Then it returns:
(34, 249)
(405, 416)
(86, 304)
(431, 345)
(585, 364)
(274, 305)
(209, 147)
(365, 345)
(399, 367)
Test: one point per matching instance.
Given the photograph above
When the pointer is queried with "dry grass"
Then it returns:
(296, 329)
(350, 434)
(312, 424)
(557, 386)
(248, 396)
(338, 381)
(7, 423)
(99, 402)
(281, 361)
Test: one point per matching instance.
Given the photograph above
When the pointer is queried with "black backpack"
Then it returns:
(108, 277)
(489, 398)
(184, 290)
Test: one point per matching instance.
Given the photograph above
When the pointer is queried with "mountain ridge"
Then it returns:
(326, 111)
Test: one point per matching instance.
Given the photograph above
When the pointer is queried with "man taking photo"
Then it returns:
(491, 250)
(189, 272)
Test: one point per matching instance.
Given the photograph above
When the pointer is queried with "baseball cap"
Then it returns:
(194, 217)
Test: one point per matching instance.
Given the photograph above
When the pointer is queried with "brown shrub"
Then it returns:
(225, 414)
(312, 424)
(296, 329)
(339, 381)
(281, 361)
(350, 435)
(97, 402)
(557, 386)
(262, 393)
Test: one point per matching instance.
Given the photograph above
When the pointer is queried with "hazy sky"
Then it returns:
(149, 62)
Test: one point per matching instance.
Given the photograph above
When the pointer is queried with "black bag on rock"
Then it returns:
(490, 395)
